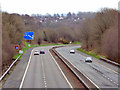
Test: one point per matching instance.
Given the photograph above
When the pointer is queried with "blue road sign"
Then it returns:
(28, 36)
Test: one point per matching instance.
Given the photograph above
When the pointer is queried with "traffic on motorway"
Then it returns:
(42, 71)
(100, 73)
(36, 52)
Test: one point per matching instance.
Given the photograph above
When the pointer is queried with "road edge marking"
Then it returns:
(101, 64)
(82, 72)
(23, 78)
(61, 70)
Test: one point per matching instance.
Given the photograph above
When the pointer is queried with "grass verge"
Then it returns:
(24, 49)
(76, 42)
(27, 47)
(89, 53)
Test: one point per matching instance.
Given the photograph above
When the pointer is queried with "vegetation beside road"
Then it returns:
(24, 50)
(93, 54)
(31, 46)
(100, 34)
(97, 31)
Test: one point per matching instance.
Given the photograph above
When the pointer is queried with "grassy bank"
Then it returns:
(24, 49)
(76, 42)
(89, 53)
(27, 47)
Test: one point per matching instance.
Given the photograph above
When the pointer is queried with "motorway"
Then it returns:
(37, 71)
(43, 72)
(100, 73)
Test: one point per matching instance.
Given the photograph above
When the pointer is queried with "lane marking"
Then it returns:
(86, 76)
(26, 71)
(103, 75)
(107, 68)
(103, 65)
(60, 70)
(107, 78)
(43, 73)
(83, 74)
(111, 80)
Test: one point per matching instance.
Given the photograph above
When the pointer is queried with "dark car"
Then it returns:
(42, 52)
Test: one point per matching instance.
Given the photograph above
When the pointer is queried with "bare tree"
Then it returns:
(85, 33)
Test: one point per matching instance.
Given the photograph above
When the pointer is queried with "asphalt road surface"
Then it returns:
(37, 71)
(43, 72)
(14, 79)
(102, 74)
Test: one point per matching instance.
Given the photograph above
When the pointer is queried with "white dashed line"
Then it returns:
(110, 70)
(61, 71)
(44, 74)
(110, 79)
(106, 67)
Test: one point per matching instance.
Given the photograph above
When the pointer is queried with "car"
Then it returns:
(42, 52)
(36, 52)
(88, 59)
(72, 51)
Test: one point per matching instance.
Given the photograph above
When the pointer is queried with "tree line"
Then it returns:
(97, 31)
(100, 34)
(12, 34)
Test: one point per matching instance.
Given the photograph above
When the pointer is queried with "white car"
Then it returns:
(88, 59)
(72, 51)
(36, 52)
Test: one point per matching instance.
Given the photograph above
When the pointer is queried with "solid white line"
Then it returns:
(61, 71)
(26, 71)
(82, 73)
(103, 65)
(9, 68)
(88, 78)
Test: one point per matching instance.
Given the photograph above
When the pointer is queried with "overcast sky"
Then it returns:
(55, 6)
